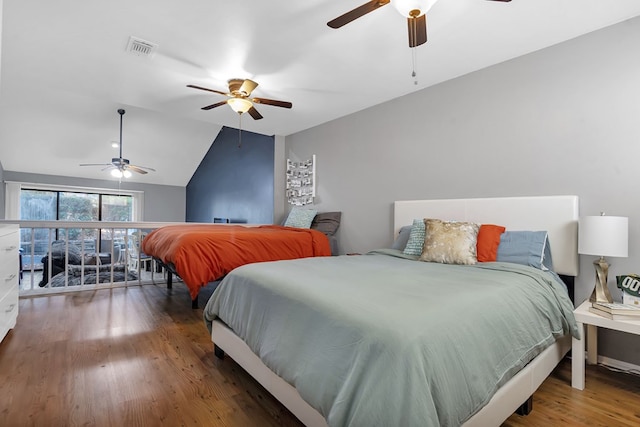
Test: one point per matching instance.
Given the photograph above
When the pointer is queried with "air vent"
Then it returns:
(141, 47)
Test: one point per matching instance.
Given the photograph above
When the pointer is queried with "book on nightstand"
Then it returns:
(616, 311)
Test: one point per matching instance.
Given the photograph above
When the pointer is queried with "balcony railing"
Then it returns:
(59, 256)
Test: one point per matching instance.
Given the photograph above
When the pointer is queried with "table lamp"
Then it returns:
(603, 236)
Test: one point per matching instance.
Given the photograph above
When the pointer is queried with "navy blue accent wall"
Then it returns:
(232, 182)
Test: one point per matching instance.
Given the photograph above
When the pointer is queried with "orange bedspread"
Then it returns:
(202, 253)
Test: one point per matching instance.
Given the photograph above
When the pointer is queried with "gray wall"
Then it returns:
(1, 191)
(562, 120)
(161, 202)
(234, 182)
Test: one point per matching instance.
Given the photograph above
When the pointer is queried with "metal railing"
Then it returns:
(62, 256)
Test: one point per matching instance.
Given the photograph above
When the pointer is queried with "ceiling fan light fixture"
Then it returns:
(116, 173)
(240, 105)
(407, 8)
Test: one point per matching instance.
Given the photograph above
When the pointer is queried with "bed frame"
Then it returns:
(556, 214)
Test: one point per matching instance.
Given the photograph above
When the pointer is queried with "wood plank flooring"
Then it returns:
(140, 356)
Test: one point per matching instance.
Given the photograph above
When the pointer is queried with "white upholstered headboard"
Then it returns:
(558, 215)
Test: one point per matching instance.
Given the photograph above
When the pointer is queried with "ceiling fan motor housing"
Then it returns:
(234, 85)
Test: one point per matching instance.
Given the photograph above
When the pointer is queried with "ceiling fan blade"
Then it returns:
(146, 168)
(217, 104)
(95, 164)
(505, 1)
(209, 90)
(248, 86)
(283, 104)
(417, 30)
(136, 169)
(254, 113)
(356, 13)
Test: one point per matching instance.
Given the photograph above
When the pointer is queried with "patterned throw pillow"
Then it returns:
(450, 242)
(300, 218)
(416, 238)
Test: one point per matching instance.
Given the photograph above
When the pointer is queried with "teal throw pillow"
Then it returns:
(300, 218)
(416, 238)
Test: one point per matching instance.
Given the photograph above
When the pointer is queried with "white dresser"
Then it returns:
(9, 272)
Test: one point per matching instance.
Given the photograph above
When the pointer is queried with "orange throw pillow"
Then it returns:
(488, 242)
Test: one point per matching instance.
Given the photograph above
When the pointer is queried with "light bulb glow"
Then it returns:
(239, 105)
(126, 173)
(406, 6)
(116, 173)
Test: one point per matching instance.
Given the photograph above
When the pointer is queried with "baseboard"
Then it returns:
(619, 365)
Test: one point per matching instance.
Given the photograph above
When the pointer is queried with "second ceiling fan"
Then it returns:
(239, 101)
(414, 10)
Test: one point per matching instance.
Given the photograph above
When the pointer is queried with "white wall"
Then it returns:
(563, 120)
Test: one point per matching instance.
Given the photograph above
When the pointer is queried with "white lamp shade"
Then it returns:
(406, 6)
(239, 105)
(604, 236)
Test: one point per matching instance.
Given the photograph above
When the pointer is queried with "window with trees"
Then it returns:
(53, 205)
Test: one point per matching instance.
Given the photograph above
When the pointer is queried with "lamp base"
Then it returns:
(601, 290)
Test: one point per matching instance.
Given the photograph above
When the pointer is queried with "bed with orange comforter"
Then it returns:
(203, 253)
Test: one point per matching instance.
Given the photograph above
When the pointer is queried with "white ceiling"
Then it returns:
(65, 70)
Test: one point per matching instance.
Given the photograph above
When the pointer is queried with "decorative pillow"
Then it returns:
(526, 247)
(327, 222)
(59, 249)
(300, 218)
(450, 242)
(402, 238)
(416, 238)
(488, 242)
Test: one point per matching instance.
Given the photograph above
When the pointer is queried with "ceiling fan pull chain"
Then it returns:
(414, 53)
(240, 130)
(414, 60)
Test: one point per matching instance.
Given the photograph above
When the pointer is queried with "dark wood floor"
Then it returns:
(140, 356)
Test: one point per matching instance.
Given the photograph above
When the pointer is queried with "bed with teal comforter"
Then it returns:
(384, 340)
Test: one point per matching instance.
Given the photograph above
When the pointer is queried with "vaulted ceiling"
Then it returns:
(66, 70)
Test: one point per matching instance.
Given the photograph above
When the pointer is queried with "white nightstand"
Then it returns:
(592, 321)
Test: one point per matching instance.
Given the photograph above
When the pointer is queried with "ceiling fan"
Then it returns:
(239, 101)
(119, 166)
(414, 10)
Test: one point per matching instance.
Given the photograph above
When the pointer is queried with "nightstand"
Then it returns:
(592, 322)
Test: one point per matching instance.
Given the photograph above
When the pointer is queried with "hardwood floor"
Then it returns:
(140, 356)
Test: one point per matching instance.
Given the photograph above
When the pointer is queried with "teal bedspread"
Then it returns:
(385, 340)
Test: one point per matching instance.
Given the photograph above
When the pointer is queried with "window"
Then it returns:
(49, 203)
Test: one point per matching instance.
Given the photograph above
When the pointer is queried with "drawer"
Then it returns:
(9, 240)
(9, 260)
(8, 229)
(9, 264)
(9, 277)
(9, 308)
(8, 282)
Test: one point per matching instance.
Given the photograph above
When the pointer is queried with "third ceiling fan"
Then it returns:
(414, 10)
